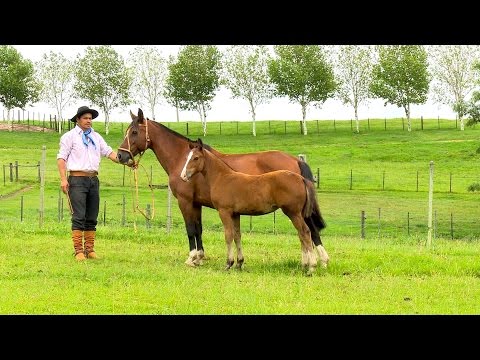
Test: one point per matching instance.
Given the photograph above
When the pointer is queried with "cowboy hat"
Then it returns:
(82, 110)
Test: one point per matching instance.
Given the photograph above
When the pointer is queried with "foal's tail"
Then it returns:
(311, 208)
(305, 170)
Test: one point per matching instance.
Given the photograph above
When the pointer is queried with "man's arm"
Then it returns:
(62, 169)
(113, 156)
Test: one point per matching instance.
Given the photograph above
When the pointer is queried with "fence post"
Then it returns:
(408, 223)
(362, 221)
(318, 178)
(149, 225)
(351, 178)
(451, 225)
(38, 167)
(21, 209)
(16, 170)
(383, 180)
(42, 185)
(379, 217)
(421, 121)
(123, 211)
(430, 203)
(11, 172)
(274, 223)
(169, 210)
(368, 122)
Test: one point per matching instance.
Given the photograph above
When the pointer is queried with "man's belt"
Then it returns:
(84, 173)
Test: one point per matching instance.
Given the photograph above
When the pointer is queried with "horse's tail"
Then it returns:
(311, 208)
(305, 170)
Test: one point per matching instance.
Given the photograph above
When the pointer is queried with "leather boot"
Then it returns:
(89, 244)
(77, 237)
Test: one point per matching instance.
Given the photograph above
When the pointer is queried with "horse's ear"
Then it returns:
(132, 115)
(191, 145)
(140, 115)
(199, 141)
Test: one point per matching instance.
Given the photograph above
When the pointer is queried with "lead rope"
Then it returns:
(135, 176)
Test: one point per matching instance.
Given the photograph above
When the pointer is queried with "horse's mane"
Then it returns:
(173, 132)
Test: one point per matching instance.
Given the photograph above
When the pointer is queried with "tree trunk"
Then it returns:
(304, 115)
(60, 120)
(357, 123)
(9, 121)
(178, 116)
(107, 123)
(407, 113)
(252, 109)
(462, 123)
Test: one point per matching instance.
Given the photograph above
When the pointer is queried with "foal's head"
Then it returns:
(195, 160)
(136, 139)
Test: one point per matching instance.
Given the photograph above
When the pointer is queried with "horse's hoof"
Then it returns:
(198, 261)
(190, 262)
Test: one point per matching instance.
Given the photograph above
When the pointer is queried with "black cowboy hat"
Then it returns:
(82, 110)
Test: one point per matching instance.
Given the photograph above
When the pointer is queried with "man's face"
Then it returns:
(85, 121)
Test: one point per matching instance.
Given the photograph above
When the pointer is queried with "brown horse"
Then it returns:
(171, 148)
(234, 193)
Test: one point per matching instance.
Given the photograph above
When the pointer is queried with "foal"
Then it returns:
(234, 194)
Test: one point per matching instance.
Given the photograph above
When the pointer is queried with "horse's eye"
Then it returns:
(134, 132)
(195, 158)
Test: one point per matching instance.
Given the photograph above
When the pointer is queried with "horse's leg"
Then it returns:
(191, 216)
(238, 241)
(309, 260)
(198, 236)
(322, 253)
(229, 228)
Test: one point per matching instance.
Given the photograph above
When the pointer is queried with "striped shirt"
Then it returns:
(77, 155)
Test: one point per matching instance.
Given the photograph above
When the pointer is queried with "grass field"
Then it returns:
(382, 172)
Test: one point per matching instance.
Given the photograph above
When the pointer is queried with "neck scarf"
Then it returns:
(86, 136)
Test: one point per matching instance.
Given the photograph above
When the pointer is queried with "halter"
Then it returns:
(147, 140)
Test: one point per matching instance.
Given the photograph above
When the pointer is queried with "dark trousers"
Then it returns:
(85, 198)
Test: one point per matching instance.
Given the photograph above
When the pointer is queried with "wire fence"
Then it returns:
(365, 207)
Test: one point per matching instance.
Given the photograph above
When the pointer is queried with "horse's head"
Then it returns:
(195, 160)
(136, 139)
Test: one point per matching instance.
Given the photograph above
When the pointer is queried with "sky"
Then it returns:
(224, 107)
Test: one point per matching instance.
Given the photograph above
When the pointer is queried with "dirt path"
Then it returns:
(15, 193)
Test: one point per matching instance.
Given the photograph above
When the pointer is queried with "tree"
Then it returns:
(18, 85)
(246, 75)
(453, 75)
(193, 79)
(401, 76)
(170, 92)
(56, 73)
(102, 78)
(149, 74)
(354, 76)
(303, 74)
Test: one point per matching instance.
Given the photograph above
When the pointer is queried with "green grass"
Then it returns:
(142, 271)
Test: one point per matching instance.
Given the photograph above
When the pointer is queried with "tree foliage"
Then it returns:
(18, 86)
(103, 78)
(354, 66)
(56, 74)
(149, 71)
(453, 74)
(401, 76)
(245, 74)
(193, 79)
(303, 74)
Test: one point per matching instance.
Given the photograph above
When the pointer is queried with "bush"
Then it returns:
(474, 187)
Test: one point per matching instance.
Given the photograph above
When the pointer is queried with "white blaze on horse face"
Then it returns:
(183, 174)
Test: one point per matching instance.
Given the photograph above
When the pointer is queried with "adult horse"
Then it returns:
(171, 149)
(234, 193)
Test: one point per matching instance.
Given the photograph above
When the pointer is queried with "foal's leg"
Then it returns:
(309, 260)
(238, 240)
(228, 226)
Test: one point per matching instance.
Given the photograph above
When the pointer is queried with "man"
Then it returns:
(80, 151)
